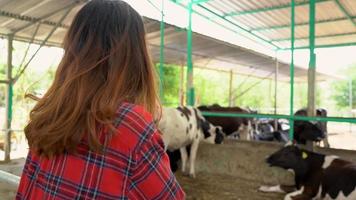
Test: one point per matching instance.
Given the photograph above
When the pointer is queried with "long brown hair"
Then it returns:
(105, 63)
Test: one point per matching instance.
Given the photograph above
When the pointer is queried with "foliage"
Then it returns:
(213, 87)
(171, 84)
(2, 86)
(341, 93)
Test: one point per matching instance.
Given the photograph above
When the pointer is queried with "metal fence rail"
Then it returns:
(8, 178)
(293, 117)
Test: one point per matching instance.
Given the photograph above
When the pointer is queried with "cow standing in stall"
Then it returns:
(185, 126)
(317, 176)
(320, 112)
(230, 125)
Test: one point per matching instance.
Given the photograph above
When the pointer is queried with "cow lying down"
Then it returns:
(317, 176)
(185, 126)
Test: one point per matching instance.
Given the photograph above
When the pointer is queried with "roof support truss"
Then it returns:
(302, 24)
(253, 11)
(320, 36)
(342, 8)
(46, 16)
(26, 11)
(324, 46)
(238, 26)
(33, 20)
(191, 1)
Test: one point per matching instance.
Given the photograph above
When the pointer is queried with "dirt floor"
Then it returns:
(342, 135)
(206, 187)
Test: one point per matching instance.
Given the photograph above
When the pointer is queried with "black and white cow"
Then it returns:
(303, 131)
(320, 112)
(185, 126)
(317, 176)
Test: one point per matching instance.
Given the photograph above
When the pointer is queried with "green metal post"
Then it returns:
(9, 95)
(161, 55)
(190, 87)
(291, 109)
(312, 62)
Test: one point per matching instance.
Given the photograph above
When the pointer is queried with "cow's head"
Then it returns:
(212, 134)
(290, 157)
(305, 130)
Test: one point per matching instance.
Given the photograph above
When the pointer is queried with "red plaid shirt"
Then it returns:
(133, 166)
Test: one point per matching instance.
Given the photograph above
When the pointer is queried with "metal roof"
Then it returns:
(270, 19)
(26, 17)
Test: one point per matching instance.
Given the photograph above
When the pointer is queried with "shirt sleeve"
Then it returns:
(151, 176)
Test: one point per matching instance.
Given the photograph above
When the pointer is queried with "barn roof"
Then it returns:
(267, 20)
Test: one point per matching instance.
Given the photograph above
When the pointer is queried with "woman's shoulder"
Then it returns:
(134, 125)
(133, 112)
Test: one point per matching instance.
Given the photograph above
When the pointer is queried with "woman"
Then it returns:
(92, 135)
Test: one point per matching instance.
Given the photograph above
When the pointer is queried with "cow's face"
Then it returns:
(289, 157)
(308, 131)
(212, 134)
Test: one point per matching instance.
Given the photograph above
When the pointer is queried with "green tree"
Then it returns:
(2, 86)
(341, 93)
(171, 82)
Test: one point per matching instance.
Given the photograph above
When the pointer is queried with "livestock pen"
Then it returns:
(253, 34)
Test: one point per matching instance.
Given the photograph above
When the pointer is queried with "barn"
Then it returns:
(270, 45)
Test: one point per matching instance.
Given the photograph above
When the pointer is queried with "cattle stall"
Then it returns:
(216, 10)
(237, 169)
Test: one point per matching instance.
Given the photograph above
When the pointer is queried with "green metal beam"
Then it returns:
(320, 36)
(229, 21)
(343, 10)
(161, 55)
(190, 87)
(291, 103)
(192, 1)
(259, 29)
(154, 5)
(290, 117)
(253, 11)
(323, 46)
(238, 26)
(200, 1)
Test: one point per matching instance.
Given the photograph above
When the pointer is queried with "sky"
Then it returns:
(329, 60)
